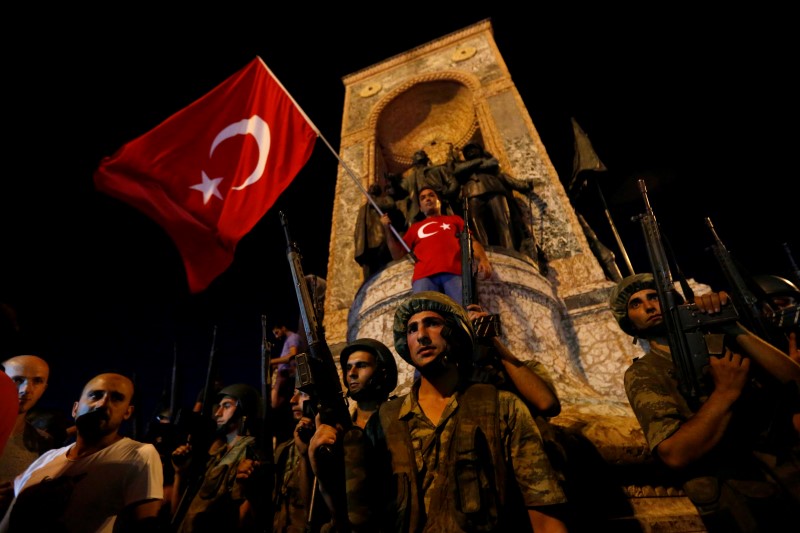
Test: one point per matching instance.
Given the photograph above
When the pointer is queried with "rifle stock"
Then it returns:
(690, 341)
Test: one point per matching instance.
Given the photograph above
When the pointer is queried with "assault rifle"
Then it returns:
(690, 341)
(200, 435)
(316, 374)
(265, 453)
(485, 326)
(316, 370)
(744, 299)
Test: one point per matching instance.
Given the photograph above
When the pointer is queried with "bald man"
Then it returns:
(26, 443)
(101, 480)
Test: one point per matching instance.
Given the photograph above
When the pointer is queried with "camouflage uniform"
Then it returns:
(291, 512)
(652, 390)
(551, 436)
(477, 469)
(215, 507)
(731, 486)
(434, 454)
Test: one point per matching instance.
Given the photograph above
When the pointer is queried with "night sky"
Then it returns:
(705, 112)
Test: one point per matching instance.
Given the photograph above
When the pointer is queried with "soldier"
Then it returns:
(370, 374)
(223, 501)
(291, 495)
(450, 455)
(720, 450)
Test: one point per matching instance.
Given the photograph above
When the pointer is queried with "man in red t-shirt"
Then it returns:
(435, 242)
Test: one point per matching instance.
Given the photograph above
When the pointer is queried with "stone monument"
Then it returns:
(441, 96)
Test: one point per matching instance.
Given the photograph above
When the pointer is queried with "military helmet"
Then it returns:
(248, 398)
(618, 299)
(776, 286)
(384, 362)
(458, 327)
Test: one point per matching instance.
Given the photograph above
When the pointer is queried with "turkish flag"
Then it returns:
(209, 172)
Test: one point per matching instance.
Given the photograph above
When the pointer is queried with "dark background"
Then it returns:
(702, 106)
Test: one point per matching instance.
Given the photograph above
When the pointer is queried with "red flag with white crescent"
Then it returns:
(208, 173)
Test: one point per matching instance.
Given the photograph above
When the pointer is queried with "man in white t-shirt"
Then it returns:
(101, 479)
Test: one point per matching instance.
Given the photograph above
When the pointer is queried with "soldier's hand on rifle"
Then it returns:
(181, 458)
(475, 311)
(729, 373)
(712, 302)
(303, 432)
(325, 436)
(246, 468)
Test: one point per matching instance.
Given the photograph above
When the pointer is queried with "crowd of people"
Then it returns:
(469, 448)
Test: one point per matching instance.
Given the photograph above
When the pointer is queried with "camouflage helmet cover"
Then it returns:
(618, 299)
(458, 327)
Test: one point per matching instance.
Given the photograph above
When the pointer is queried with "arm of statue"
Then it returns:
(703, 431)
(515, 184)
(464, 169)
(395, 248)
(490, 165)
(450, 184)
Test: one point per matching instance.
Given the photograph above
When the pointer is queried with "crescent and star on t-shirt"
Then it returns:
(421, 231)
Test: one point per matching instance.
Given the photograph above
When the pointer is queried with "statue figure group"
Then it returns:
(476, 180)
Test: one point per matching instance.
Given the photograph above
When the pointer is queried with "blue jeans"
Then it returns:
(450, 284)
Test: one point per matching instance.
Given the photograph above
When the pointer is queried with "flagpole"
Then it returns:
(357, 181)
(410, 255)
(614, 229)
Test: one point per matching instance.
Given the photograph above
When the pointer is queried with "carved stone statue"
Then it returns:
(494, 214)
(371, 251)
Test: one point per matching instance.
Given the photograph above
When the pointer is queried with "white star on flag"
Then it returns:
(208, 188)
(445, 226)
